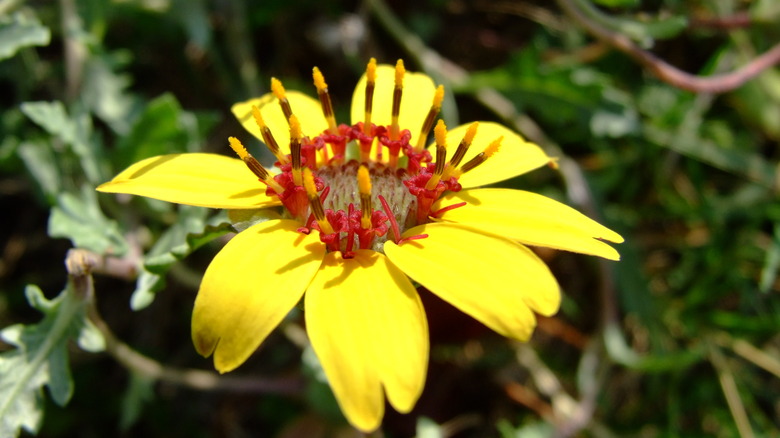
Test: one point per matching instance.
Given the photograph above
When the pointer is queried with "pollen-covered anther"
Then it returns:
(463, 147)
(278, 89)
(479, 158)
(254, 165)
(268, 137)
(370, 84)
(440, 134)
(327, 106)
(364, 188)
(295, 148)
(438, 97)
(397, 94)
(315, 202)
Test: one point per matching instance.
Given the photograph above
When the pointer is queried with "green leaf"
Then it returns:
(759, 102)
(617, 3)
(581, 99)
(194, 17)
(244, 218)
(77, 217)
(145, 286)
(643, 32)
(530, 430)
(105, 91)
(76, 132)
(19, 31)
(771, 263)
(41, 162)
(739, 162)
(192, 230)
(139, 391)
(40, 359)
(155, 132)
(427, 428)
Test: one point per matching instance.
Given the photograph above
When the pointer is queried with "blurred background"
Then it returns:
(679, 338)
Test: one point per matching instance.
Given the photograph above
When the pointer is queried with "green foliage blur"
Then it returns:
(678, 339)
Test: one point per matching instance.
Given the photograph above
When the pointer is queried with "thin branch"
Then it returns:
(737, 21)
(719, 83)
(731, 392)
(75, 51)
(80, 265)
(191, 378)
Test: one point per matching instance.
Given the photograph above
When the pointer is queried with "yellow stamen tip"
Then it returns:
(364, 181)
(258, 117)
(399, 73)
(493, 147)
(295, 128)
(440, 133)
(308, 182)
(237, 147)
(438, 97)
(278, 89)
(470, 133)
(319, 80)
(371, 70)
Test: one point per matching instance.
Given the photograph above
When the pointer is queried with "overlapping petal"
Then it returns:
(515, 157)
(249, 287)
(368, 328)
(338, 329)
(417, 98)
(496, 281)
(204, 180)
(306, 109)
(530, 218)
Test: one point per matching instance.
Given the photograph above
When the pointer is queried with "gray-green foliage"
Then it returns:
(192, 229)
(77, 216)
(40, 358)
(21, 29)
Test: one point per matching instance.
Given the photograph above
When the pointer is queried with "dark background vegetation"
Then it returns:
(679, 338)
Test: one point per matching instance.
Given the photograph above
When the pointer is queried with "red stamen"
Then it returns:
(439, 212)
(410, 238)
(350, 235)
(391, 218)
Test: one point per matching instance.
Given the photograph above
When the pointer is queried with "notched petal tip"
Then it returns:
(205, 346)
(249, 287)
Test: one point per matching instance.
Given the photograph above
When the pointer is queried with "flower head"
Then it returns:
(365, 207)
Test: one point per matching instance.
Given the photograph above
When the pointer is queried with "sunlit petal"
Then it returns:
(515, 157)
(205, 180)
(342, 336)
(417, 98)
(307, 109)
(249, 287)
(496, 281)
(531, 219)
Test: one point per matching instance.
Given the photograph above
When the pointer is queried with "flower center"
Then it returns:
(385, 182)
(387, 189)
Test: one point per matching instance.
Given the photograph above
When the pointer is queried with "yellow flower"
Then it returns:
(365, 207)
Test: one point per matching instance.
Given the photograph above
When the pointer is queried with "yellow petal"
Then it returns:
(494, 280)
(516, 156)
(249, 287)
(306, 109)
(415, 102)
(342, 335)
(530, 218)
(205, 180)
